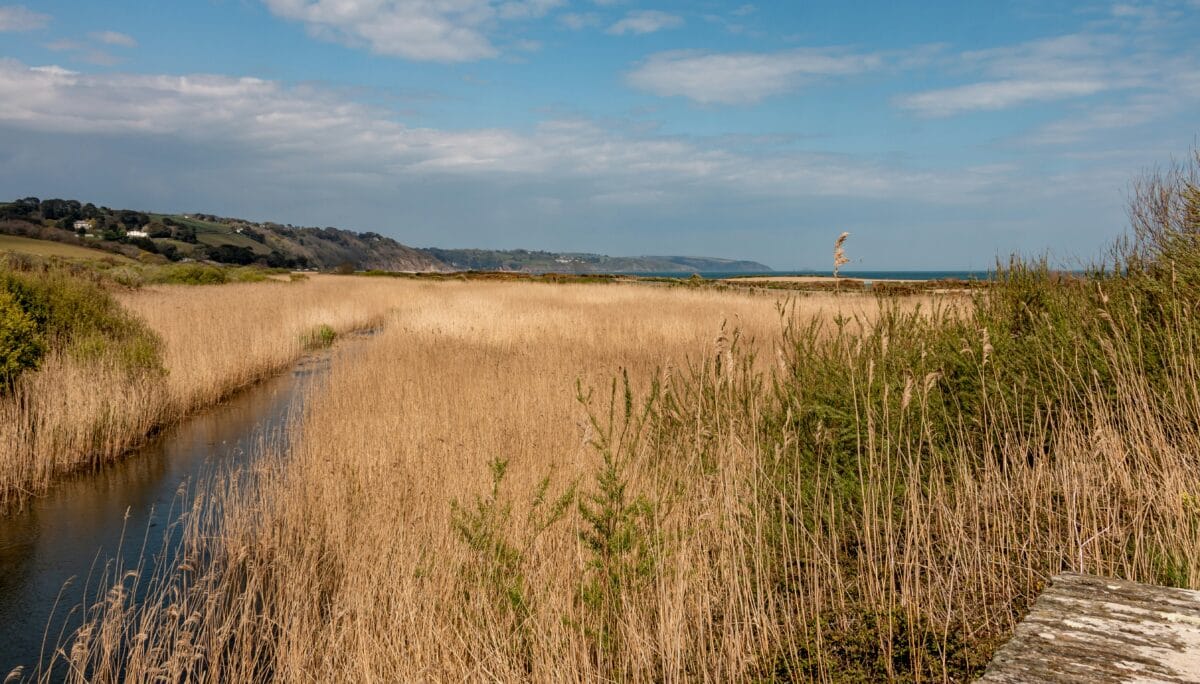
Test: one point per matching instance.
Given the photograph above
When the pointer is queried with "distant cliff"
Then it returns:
(205, 237)
(556, 262)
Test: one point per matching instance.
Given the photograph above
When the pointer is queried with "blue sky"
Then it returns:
(940, 134)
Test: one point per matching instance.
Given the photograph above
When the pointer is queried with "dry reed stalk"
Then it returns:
(73, 415)
(839, 254)
(344, 561)
(350, 538)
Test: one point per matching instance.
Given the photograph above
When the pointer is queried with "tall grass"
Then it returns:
(113, 371)
(878, 495)
(414, 533)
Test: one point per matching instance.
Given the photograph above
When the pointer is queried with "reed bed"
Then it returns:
(455, 509)
(77, 414)
(526, 483)
(840, 493)
(523, 482)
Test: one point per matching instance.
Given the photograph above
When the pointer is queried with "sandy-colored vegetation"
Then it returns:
(520, 481)
(859, 503)
(79, 411)
(453, 510)
(844, 499)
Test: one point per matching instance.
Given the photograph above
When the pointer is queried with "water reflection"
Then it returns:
(76, 529)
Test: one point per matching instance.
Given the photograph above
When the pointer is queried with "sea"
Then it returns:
(858, 275)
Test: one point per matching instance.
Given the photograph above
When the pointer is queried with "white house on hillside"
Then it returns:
(136, 233)
(83, 225)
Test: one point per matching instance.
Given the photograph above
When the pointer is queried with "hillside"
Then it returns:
(44, 248)
(205, 237)
(555, 262)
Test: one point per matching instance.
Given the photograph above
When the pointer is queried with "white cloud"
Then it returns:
(527, 9)
(21, 18)
(113, 38)
(645, 21)
(996, 95)
(423, 30)
(310, 134)
(743, 78)
(1059, 68)
(83, 52)
(579, 20)
(64, 45)
(1177, 92)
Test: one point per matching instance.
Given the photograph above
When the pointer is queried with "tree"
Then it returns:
(231, 254)
(184, 233)
(158, 230)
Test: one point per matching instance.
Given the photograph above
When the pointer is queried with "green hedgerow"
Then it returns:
(20, 346)
(50, 309)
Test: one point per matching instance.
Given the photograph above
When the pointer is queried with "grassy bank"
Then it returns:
(102, 366)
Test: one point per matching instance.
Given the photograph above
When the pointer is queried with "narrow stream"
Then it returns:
(71, 533)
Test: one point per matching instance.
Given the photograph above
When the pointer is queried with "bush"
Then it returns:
(20, 346)
(190, 274)
(47, 309)
(875, 431)
(319, 337)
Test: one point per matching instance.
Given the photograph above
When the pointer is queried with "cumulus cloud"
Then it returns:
(21, 18)
(645, 21)
(442, 31)
(319, 135)
(745, 77)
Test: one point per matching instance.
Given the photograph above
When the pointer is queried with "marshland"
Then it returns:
(545, 479)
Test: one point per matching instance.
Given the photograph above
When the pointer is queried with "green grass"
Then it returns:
(228, 237)
(46, 248)
(216, 234)
(59, 307)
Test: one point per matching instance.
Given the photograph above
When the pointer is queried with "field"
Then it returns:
(78, 412)
(527, 481)
(24, 245)
(628, 481)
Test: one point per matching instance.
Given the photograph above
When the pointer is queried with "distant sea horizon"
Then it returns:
(857, 275)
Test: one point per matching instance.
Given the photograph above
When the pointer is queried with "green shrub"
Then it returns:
(126, 276)
(247, 274)
(495, 571)
(50, 309)
(319, 337)
(190, 274)
(20, 346)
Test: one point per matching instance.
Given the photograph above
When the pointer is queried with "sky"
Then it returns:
(941, 135)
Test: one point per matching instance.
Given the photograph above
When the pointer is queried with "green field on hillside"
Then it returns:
(24, 245)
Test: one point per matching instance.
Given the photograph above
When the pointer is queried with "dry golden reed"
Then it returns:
(73, 415)
(350, 546)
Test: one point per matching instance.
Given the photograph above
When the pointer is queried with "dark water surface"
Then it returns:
(75, 531)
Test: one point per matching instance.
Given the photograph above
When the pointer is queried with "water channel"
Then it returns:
(51, 550)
